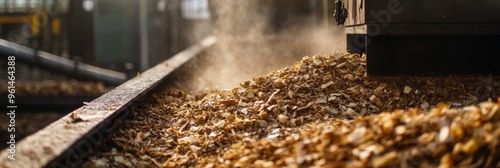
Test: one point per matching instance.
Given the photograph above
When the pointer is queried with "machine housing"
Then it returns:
(409, 37)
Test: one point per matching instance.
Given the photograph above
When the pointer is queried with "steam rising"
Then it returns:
(250, 44)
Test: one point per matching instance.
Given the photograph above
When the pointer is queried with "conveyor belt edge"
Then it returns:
(70, 138)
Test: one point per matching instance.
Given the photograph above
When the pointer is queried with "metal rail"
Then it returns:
(67, 141)
(60, 64)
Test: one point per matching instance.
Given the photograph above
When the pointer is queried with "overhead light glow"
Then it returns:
(88, 5)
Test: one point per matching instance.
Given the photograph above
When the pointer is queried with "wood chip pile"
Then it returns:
(323, 111)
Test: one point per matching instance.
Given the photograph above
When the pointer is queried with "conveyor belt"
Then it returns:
(68, 140)
(60, 64)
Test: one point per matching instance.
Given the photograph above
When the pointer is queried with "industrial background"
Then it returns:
(250, 83)
(121, 35)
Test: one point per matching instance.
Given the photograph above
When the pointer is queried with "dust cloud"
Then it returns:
(255, 38)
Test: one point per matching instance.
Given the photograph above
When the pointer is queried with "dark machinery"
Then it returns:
(408, 37)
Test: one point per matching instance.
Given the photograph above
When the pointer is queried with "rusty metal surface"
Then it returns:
(421, 12)
(448, 17)
(75, 133)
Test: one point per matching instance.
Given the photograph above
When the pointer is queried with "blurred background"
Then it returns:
(133, 35)
(71, 51)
